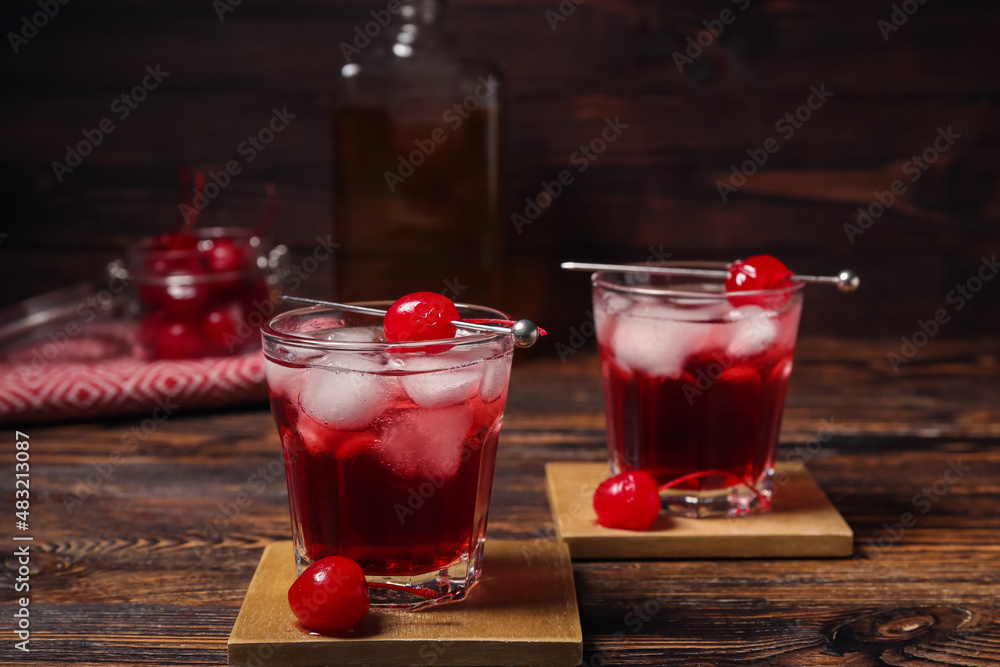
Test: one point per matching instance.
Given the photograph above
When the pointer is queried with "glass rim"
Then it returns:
(245, 238)
(599, 279)
(246, 235)
(191, 279)
(273, 335)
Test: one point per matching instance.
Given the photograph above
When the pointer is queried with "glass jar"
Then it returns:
(206, 299)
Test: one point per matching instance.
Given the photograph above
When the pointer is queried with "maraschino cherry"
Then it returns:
(224, 256)
(179, 340)
(220, 326)
(757, 273)
(420, 316)
(760, 272)
(331, 595)
(629, 500)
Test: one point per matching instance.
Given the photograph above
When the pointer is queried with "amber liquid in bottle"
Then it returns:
(417, 174)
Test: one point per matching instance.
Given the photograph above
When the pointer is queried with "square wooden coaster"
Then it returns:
(801, 524)
(517, 615)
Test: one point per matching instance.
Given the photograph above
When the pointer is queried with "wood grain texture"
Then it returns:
(522, 613)
(148, 562)
(801, 523)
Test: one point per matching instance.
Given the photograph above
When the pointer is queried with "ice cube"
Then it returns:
(353, 360)
(788, 327)
(495, 377)
(313, 435)
(282, 379)
(651, 340)
(352, 334)
(781, 372)
(753, 332)
(615, 303)
(424, 443)
(319, 439)
(607, 306)
(346, 400)
(697, 309)
(441, 379)
(438, 389)
(353, 445)
(289, 441)
(743, 378)
(465, 333)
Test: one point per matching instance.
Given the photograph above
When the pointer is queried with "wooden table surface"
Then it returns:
(125, 571)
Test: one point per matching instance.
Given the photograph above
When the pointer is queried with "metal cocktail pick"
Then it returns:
(524, 332)
(846, 281)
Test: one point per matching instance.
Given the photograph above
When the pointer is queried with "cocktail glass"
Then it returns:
(694, 384)
(389, 447)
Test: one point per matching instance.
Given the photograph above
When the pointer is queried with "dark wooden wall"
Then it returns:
(610, 58)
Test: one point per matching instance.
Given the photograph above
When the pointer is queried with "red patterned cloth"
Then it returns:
(102, 374)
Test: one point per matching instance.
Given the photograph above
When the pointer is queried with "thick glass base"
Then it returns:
(734, 500)
(416, 591)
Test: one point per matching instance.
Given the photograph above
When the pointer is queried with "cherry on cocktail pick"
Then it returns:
(846, 281)
(524, 332)
(759, 272)
(420, 316)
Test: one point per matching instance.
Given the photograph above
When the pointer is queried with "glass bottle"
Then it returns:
(417, 167)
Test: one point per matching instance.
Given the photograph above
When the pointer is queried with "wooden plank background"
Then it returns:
(654, 187)
(130, 575)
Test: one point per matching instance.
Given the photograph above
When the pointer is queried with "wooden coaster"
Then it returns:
(517, 615)
(801, 524)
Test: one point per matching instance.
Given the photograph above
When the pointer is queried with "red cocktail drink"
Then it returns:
(695, 381)
(389, 447)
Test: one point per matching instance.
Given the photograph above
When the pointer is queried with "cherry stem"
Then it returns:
(427, 595)
(184, 183)
(729, 478)
(192, 217)
(507, 323)
(270, 212)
